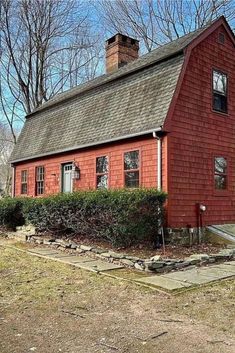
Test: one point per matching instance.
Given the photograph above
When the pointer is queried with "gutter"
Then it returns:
(78, 147)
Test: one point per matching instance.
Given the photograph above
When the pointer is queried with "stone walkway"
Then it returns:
(194, 277)
(172, 281)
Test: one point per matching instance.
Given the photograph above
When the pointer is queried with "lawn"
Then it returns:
(49, 307)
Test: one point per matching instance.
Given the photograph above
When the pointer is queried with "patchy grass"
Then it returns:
(49, 307)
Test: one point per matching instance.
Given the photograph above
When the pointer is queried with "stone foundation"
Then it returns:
(185, 236)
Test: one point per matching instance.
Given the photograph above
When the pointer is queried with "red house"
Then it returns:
(166, 120)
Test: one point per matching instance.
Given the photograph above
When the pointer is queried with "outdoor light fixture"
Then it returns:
(202, 208)
(76, 173)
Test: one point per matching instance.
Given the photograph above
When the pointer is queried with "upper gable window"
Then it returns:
(220, 92)
(221, 38)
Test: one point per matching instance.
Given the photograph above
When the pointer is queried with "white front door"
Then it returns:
(67, 181)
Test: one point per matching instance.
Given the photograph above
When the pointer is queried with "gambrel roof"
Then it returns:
(129, 102)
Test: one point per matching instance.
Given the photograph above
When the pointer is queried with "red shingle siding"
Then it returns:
(197, 135)
(86, 160)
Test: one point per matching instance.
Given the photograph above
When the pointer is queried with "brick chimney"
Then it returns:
(120, 50)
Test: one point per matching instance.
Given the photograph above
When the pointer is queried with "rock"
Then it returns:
(220, 257)
(160, 270)
(227, 252)
(200, 257)
(212, 259)
(132, 258)
(168, 268)
(170, 263)
(105, 254)
(116, 255)
(46, 242)
(151, 265)
(86, 247)
(192, 261)
(80, 251)
(139, 266)
(38, 241)
(190, 267)
(156, 258)
(73, 245)
(180, 265)
(98, 251)
(128, 262)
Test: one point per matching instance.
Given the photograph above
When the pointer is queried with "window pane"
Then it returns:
(40, 187)
(24, 176)
(220, 82)
(220, 165)
(132, 179)
(220, 182)
(23, 188)
(102, 181)
(40, 173)
(102, 164)
(68, 167)
(131, 160)
(220, 102)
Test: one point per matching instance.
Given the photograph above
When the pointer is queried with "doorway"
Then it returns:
(67, 181)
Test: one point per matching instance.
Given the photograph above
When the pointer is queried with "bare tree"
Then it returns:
(156, 22)
(46, 46)
(6, 146)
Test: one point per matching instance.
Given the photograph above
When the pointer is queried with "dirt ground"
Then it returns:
(48, 307)
(146, 250)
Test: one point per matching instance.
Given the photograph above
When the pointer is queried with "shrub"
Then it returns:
(11, 212)
(122, 217)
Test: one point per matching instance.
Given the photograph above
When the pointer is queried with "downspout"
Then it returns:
(159, 160)
(158, 136)
(13, 182)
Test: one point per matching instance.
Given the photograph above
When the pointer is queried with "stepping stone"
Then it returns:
(98, 265)
(230, 263)
(218, 272)
(162, 282)
(74, 259)
(191, 276)
(43, 252)
(61, 255)
(227, 267)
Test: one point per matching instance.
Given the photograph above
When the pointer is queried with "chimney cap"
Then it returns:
(121, 37)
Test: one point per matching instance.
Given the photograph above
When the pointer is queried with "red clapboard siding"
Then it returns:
(197, 135)
(86, 160)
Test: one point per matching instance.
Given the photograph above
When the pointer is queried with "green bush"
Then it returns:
(11, 212)
(122, 217)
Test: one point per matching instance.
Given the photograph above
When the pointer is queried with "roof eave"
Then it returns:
(70, 149)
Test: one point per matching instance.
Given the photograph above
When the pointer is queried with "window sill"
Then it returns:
(220, 113)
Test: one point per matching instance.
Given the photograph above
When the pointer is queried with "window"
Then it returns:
(131, 169)
(221, 38)
(24, 182)
(220, 175)
(102, 170)
(40, 174)
(220, 92)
